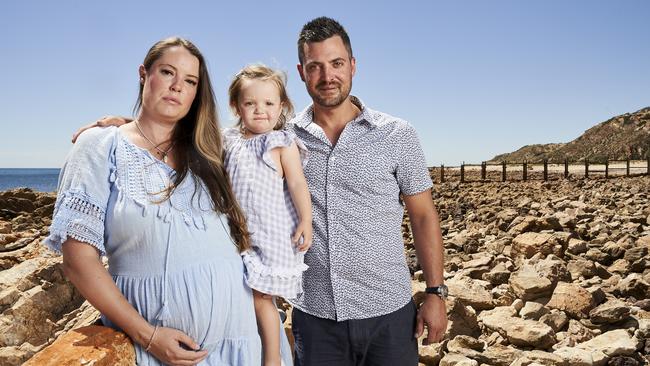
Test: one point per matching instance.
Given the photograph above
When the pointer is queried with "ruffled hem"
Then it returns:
(285, 282)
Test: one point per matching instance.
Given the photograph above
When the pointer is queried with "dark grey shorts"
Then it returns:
(380, 341)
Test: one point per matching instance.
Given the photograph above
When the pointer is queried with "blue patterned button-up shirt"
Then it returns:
(357, 267)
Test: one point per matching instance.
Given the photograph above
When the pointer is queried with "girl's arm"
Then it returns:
(83, 267)
(297, 184)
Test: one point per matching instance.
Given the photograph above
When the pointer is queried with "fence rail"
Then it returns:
(544, 170)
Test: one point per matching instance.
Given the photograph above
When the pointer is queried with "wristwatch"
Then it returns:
(441, 291)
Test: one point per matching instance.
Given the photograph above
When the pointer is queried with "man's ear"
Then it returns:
(353, 65)
(143, 73)
(300, 71)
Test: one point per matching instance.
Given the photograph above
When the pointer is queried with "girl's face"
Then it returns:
(259, 105)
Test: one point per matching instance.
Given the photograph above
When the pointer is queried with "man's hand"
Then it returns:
(433, 313)
(102, 122)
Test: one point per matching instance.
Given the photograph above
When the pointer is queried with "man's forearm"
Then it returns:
(427, 239)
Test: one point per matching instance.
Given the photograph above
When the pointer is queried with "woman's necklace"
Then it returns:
(163, 153)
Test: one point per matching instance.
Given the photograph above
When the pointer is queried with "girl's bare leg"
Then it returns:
(268, 323)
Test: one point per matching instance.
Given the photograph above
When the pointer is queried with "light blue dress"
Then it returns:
(172, 259)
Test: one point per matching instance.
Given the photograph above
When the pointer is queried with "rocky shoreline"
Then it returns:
(540, 273)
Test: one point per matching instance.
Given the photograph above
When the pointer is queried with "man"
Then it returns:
(357, 307)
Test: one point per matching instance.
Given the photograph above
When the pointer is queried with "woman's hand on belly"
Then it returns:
(174, 347)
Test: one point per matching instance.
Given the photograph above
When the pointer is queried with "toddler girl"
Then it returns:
(264, 162)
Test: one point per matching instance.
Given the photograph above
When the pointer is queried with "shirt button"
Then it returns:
(333, 158)
(334, 276)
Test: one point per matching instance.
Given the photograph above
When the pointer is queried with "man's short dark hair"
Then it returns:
(318, 30)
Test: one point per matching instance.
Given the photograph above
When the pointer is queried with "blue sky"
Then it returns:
(475, 78)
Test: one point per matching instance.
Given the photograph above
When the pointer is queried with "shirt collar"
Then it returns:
(306, 117)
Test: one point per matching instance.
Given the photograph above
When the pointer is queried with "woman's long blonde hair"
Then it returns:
(198, 144)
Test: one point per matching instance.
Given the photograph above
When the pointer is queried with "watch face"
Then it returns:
(444, 291)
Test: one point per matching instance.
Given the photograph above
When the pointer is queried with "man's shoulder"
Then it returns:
(388, 121)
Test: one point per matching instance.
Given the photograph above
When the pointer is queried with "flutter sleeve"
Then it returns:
(83, 190)
(281, 138)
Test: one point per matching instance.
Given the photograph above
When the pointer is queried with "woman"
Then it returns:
(153, 196)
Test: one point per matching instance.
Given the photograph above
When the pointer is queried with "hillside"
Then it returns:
(622, 137)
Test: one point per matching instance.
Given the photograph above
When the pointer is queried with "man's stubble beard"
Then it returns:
(331, 102)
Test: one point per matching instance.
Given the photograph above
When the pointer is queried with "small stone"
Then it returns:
(634, 285)
(461, 342)
(575, 356)
(455, 359)
(610, 312)
(533, 310)
(5, 227)
(556, 319)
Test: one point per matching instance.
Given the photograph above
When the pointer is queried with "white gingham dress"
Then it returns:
(273, 265)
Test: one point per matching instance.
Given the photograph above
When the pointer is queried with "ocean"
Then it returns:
(42, 180)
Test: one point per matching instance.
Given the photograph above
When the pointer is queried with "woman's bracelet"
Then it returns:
(151, 339)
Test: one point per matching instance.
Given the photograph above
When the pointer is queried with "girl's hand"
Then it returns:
(303, 230)
(166, 347)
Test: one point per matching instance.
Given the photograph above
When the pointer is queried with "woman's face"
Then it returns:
(170, 85)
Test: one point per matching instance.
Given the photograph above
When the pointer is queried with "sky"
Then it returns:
(475, 78)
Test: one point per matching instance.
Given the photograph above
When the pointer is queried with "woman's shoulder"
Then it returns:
(97, 137)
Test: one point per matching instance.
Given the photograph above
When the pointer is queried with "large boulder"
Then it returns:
(519, 332)
(471, 292)
(531, 243)
(528, 284)
(572, 299)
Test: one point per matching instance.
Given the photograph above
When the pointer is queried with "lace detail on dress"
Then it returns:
(76, 216)
(144, 180)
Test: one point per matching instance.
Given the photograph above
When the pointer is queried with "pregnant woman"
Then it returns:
(154, 198)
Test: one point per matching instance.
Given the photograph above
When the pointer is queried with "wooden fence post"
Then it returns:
(627, 167)
(462, 172)
(545, 170)
(442, 173)
(566, 168)
(586, 168)
(483, 170)
(607, 168)
(503, 174)
(525, 175)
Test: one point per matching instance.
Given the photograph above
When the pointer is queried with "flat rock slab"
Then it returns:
(92, 345)
(613, 343)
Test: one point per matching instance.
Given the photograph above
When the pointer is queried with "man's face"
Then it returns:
(327, 71)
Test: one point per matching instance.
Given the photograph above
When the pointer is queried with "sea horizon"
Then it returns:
(38, 179)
